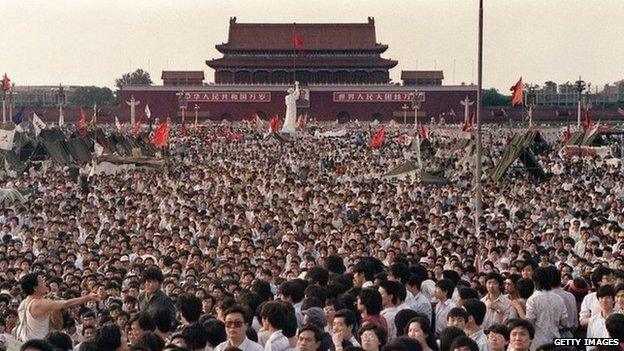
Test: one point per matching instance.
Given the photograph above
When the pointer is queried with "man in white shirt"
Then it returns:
(237, 321)
(390, 297)
(476, 313)
(273, 316)
(443, 292)
(498, 305)
(596, 327)
(589, 307)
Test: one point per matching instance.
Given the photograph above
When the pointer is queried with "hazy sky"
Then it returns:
(93, 42)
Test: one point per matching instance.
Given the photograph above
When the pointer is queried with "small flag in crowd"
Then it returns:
(6, 139)
(516, 98)
(378, 139)
(161, 136)
(274, 124)
(38, 124)
(148, 113)
(6, 82)
(82, 124)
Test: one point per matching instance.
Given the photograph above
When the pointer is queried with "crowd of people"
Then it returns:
(302, 244)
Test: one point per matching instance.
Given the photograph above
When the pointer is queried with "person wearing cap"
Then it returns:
(316, 316)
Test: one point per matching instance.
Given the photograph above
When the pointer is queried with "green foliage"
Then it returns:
(491, 97)
(87, 96)
(138, 77)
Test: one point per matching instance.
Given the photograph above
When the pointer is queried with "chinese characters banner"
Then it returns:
(229, 96)
(365, 96)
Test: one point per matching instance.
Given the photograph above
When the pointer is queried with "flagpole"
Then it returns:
(294, 52)
(478, 190)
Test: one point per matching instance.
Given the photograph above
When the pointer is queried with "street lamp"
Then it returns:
(580, 86)
(416, 103)
(182, 101)
(405, 107)
(60, 102)
(530, 101)
(11, 94)
(196, 108)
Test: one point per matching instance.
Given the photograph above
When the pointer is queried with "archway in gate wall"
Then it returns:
(343, 117)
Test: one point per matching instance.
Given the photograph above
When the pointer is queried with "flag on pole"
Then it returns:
(378, 139)
(274, 124)
(99, 149)
(567, 134)
(301, 123)
(516, 98)
(82, 124)
(19, 116)
(38, 124)
(587, 122)
(298, 41)
(137, 126)
(161, 136)
(148, 113)
(423, 131)
(6, 139)
(6, 82)
(117, 124)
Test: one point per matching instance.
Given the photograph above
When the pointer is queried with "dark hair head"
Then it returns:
(275, 313)
(400, 271)
(215, 332)
(37, 344)
(498, 329)
(425, 326)
(451, 275)
(195, 336)
(381, 334)
(144, 320)
(403, 343)
(605, 290)
(189, 306)
(371, 299)
(447, 286)
(347, 315)
(29, 282)
(59, 340)
(161, 318)
(599, 273)
(151, 341)
(495, 276)
(293, 290)
(476, 309)
(615, 326)
(521, 323)
(239, 309)
(542, 278)
(335, 264)
(468, 293)
(402, 318)
(458, 312)
(366, 268)
(525, 288)
(393, 288)
(318, 335)
(448, 335)
(318, 275)
(88, 346)
(108, 337)
(464, 341)
(153, 273)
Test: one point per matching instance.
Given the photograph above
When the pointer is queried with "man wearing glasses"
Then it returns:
(237, 321)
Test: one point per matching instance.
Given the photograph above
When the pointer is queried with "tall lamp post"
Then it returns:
(182, 101)
(405, 107)
(416, 103)
(530, 101)
(60, 102)
(12, 94)
(580, 86)
(196, 108)
(478, 189)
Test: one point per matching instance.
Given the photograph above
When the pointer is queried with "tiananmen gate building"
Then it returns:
(339, 66)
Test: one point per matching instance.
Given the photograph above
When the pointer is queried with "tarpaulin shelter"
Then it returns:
(519, 148)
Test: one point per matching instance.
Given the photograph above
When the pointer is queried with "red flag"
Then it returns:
(516, 98)
(469, 123)
(378, 139)
(274, 124)
(587, 123)
(567, 134)
(82, 124)
(298, 42)
(6, 82)
(161, 136)
(423, 131)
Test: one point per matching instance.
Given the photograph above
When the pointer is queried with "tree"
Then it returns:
(138, 77)
(87, 96)
(491, 97)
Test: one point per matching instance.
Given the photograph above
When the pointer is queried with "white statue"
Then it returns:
(290, 121)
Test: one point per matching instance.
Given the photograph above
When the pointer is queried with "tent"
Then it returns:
(520, 148)
(79, 150)
(10, 195)
(410, 168)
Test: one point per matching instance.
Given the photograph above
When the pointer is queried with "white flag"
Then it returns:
(6, 139)
(99, 149)
(38, 123)
(117, 124)
(148, 113)
(61, 119)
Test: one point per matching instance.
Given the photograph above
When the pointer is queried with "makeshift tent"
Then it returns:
(9, 195)
(519, 148)
(536, 141)
(58, 151)
(10, 159)
(410, 168)
(79, 150)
